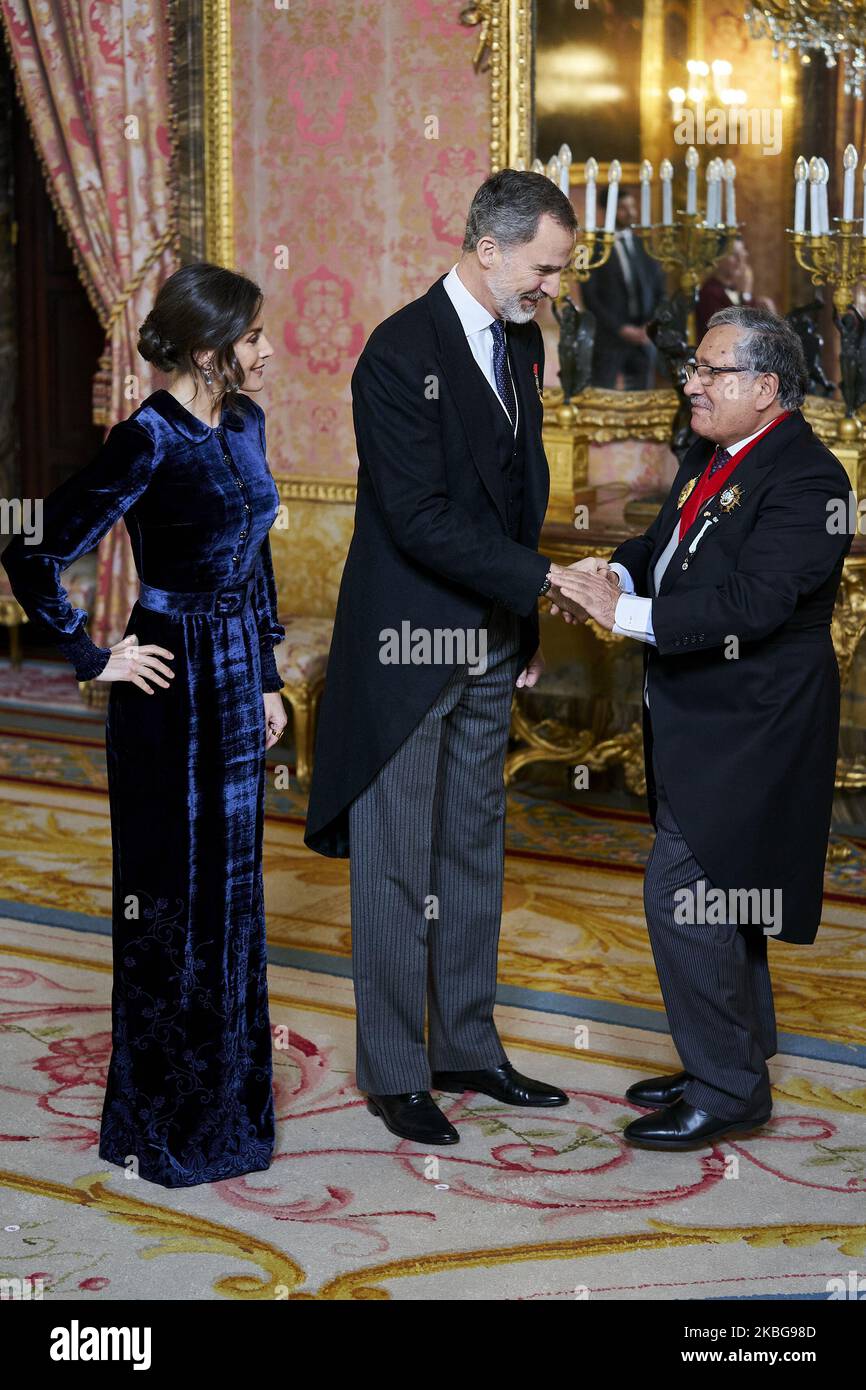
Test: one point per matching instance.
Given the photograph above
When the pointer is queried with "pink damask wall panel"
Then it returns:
(334, 107)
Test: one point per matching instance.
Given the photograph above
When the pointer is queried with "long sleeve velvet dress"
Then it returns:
(189, 1093)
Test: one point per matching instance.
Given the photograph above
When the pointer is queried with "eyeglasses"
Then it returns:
(707, 373)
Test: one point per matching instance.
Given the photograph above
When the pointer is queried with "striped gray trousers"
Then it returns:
(427, 849)
(715, 983)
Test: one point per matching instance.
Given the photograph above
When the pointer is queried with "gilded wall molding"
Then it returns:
(506, 50)
(219, 183)
(296, 489)
(187, 101)
(600, 416)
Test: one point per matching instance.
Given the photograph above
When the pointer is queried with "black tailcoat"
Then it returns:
(747, 744)
(431, 544)
(606, 295)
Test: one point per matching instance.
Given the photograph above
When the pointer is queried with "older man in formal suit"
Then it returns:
(436, 620)
(732, 589)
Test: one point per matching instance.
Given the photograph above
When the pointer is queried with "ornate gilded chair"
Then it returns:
(308, 556)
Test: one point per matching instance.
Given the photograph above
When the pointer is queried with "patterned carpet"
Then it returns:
(529, 1205)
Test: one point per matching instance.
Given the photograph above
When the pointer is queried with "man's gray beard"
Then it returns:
(511, 308)
(513, 312)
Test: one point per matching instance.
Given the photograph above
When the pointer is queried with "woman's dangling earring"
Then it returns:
(208, 376)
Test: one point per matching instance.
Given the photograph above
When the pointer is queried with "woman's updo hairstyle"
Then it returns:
(201, 308)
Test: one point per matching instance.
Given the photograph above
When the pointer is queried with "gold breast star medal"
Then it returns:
(730, 498)
(686, 492)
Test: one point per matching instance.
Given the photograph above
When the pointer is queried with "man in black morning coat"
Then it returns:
(624, 294)
(740, 714)
(452, 492)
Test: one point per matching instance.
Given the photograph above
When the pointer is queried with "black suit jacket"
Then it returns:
(606, 294)
(747, 744)
(430, 545)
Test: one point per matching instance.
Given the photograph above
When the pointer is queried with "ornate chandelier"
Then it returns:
(837, 28)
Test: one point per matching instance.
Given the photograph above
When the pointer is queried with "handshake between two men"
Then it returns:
(587, 589)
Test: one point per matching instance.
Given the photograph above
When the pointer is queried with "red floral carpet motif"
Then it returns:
(345, 1203)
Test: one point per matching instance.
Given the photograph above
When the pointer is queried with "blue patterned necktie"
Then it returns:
(722, 457)
(500, 370)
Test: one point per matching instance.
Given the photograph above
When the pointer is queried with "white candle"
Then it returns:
(814, 197)
(646, 173)
(849, 163)
(666, 171)
(825, 179)
(692, 162)
(591, 174)
(731, 210)
(614, 174)
(719, 170)
(801, 174)
(564, 168)
(714, 193)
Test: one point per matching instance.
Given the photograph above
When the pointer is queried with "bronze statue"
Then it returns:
(803, 320)
(853, 384)
(576, 338)
(669, 332)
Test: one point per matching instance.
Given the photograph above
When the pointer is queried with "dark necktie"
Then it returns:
(500, 370)
(722, 457)
(633, 288)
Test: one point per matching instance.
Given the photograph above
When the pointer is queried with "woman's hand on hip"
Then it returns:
(129, 661)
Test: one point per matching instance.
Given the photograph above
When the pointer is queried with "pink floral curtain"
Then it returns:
(93, 77)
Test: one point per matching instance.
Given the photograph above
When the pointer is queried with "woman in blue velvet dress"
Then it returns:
(193, 706)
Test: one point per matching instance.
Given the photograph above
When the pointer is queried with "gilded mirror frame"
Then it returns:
(506, 44)
(506, 47)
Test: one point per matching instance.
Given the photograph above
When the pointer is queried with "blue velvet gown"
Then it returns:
(189, 1096)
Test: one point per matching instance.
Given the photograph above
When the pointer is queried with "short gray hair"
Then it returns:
(768, 344)
(508, 206)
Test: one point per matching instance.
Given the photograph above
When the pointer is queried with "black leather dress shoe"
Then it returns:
(415, 1116)
(682, 1126)
(659, 1090)
(502, 1083)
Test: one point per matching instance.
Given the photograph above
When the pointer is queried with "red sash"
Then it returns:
(708, 487)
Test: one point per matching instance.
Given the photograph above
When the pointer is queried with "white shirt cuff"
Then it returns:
(626, 583)
(633, 618)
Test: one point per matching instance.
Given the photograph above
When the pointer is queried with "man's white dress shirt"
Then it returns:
(476, 321)
(633, 615)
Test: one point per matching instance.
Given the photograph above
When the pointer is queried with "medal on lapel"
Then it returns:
(687, 490)
(537, 383)
(730, 497)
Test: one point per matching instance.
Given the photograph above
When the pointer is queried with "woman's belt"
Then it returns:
(232, 599)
